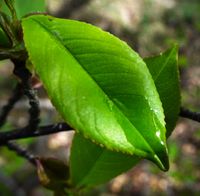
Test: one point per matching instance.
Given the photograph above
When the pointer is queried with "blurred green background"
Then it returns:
(149, 27)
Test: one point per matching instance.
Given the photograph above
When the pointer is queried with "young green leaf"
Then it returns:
(100, 86)
(164, 70)
(91, 164)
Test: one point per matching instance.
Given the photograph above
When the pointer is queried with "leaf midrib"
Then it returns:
(59, 42)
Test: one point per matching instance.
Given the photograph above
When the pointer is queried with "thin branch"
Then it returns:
(17, 94)
(22, 152)
(23, 73)
(34, 110)
(186, 113)
(25, 76)
(41, 131)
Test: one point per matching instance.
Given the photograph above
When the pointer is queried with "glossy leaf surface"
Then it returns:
(164, 70)
(99, 164)
(99, 85)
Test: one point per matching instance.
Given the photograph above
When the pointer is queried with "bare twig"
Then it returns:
(41, 131)
(19, 150)
(17, 94)
(186, 113)
(34, 111)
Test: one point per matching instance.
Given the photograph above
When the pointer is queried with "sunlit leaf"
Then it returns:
(100, 86)
(99, 164)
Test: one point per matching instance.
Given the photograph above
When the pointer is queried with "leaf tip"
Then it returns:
(162, 161)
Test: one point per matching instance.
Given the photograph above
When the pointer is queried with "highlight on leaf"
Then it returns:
(99, 164)
(99, 85)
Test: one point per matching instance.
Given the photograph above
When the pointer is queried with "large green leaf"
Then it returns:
(164, 70)
(99, 164)
(99, 85)
(24, 7)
